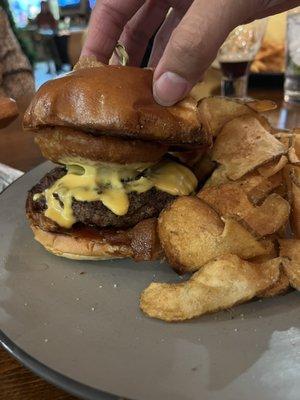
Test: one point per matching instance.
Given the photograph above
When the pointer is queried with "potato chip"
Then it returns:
(254, 184)
(273, 167)
(294, 151)
(243, 145)
(292, 174)
(218, 177)
(219, 285)
(192, 233)
(231, 200)
(280, 287)
(290, 248)
(261, 106)
(203, 167)
(217, 111)
(257, 187)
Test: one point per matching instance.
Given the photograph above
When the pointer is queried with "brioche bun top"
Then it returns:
(117, 101)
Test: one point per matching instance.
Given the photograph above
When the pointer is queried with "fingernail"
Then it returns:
(170, 88)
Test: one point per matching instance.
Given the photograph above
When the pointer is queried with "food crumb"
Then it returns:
(236, 330)
(116, 285)
(46, 340)
(82, 273)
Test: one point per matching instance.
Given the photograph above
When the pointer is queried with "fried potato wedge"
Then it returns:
(231, 200)
(245, 144)
(292, 175)
(220, 284)
(290, 248)
(192, 233)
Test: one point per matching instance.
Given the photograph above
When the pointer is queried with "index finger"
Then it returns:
(106, 25)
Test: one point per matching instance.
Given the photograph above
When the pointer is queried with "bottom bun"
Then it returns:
(79, 248)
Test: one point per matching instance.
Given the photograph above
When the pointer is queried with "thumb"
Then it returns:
(193, 46)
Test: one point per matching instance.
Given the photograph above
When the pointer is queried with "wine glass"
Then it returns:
(236, 55)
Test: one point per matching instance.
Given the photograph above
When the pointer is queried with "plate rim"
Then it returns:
(52, 376)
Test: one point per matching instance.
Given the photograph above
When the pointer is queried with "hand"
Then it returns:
(186, 43)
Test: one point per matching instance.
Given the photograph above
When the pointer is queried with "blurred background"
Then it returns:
(52, 32)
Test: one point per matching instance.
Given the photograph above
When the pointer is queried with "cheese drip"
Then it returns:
(110, 184)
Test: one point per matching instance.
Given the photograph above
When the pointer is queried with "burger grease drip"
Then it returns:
(110, 184)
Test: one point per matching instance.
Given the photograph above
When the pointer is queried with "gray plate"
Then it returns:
(78, 324)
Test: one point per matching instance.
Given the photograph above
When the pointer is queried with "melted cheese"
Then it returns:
(174, 179)
(110, 184)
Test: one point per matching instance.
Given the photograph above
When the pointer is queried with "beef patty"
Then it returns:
(94, 213)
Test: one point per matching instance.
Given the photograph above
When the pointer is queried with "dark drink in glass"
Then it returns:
(234, 69)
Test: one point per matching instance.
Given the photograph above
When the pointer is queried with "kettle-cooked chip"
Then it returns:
(218, 177)
(290, 248)
(216, 111)
(294, 150)
(261, 106)
(273, 167)
(254, 184)
(292, 174)
(280, 287)
(283, 137)
(218, 285)
(257, 187)
(192, 233)
(231, 200)
(245, 144)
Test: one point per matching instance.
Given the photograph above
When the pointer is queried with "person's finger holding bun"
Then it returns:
(187, 41)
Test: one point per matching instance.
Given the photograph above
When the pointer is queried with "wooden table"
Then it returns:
(18, 150)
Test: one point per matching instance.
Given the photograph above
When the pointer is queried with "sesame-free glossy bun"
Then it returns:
(68, 145)
(117, 101)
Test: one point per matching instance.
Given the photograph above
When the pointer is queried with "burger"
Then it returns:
(112, 143)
